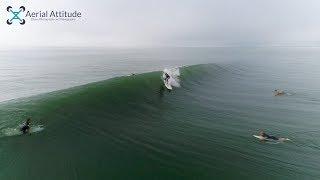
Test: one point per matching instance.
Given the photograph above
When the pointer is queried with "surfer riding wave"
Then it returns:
(171, 78)
(166, 77)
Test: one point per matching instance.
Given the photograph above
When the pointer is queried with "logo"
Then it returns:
(21, 15)
(53, 15)
(16, 16)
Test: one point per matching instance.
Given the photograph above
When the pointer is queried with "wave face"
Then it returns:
(132, 128)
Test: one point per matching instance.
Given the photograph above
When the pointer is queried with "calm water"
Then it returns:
(132, 128)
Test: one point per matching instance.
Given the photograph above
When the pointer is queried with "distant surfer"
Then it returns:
(278, 92)
(266, 136)
(26, 127)
(167, 77)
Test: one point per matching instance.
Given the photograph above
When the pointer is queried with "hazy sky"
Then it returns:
(125, 23)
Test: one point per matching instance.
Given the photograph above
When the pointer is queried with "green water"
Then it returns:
(132, 128)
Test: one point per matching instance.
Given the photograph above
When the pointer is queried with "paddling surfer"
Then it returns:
(26, 127)
(266, 136)
(278, 92)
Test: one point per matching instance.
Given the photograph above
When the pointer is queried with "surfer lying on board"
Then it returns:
(263, 134)
(167, 77)
(278, 92)
(26, 127)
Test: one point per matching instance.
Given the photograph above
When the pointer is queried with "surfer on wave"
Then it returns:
(26, 127)
(167, 77)
(170, 78)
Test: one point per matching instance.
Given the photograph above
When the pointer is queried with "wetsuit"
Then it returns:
(25, 128)
(269, 137)
(167, 77)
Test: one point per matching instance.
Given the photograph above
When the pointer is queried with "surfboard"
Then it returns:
(260, 137)
(168, 86)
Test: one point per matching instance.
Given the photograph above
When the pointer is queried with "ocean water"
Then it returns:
(92, 121)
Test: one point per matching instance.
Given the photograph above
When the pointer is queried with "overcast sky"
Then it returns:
(135, 23)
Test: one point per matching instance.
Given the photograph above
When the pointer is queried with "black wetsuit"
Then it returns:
(269, 137)
(167, 77)
(25, 129)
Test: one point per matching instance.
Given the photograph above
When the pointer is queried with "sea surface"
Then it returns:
(92, 120)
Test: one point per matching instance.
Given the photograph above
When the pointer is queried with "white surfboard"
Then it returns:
(166, 83)
(259, 137)
(168, 86)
